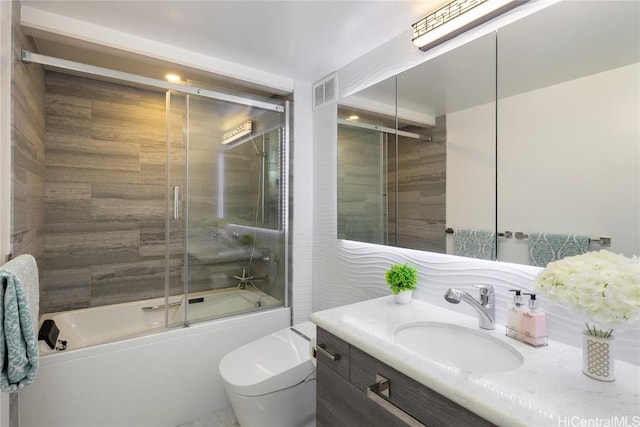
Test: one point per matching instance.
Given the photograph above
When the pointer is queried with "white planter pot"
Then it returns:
(598, 357)
(403, 297)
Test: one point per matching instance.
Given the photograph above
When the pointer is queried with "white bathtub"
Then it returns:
(99, 325)
(161, 379)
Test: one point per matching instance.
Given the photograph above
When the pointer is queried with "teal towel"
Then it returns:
(546, 247)
(18, 323)
(475, 244)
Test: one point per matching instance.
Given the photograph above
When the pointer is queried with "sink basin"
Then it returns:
(459, 347)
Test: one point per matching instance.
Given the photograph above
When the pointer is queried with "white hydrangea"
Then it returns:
(604, 287)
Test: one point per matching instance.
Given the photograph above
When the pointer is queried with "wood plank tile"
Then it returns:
(67, 202)
(80, 245)
(122, 282)
(128, 201)
(65, 289)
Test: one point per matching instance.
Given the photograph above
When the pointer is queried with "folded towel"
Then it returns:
(18, 323)
(546, 247)
(475, 244)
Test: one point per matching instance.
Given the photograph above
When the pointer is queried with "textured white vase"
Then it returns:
(598, 357)
(403, 297)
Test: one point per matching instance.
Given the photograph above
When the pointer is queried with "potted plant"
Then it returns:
(402, 280)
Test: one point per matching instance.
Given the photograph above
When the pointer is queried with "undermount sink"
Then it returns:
(458, 346)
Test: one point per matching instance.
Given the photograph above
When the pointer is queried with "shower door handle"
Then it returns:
(176, 202)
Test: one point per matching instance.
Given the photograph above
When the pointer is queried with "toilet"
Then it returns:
(272, 381)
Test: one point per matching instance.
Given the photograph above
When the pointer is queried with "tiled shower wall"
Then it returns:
(106, 166)
(27, 133)
(105, 175)
(27, 151)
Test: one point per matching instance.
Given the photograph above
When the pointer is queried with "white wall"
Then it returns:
(590, 140)
(303, 212)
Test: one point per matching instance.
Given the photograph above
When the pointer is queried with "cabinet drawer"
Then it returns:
(422, 403)
(340, 404)
(333, 346)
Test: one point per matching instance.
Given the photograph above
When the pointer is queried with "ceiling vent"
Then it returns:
(325, 91)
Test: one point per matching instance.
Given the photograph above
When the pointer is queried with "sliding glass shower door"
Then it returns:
(227, 190)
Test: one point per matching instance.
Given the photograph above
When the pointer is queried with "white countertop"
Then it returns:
(549, 389)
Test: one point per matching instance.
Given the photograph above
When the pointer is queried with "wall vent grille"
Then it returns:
(325, 91)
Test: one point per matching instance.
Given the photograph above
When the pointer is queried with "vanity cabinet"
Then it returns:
(351, 385)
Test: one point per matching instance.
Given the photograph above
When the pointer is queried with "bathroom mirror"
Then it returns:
(567, 132)
(420, 156)
(568, 128)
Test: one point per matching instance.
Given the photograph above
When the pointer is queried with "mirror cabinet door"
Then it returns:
(421, 156)
(366, 128)
(568, 131)
(448, 182)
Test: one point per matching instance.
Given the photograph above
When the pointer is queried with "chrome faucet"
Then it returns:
(485, 305)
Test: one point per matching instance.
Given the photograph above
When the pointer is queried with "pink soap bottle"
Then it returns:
(533, 323)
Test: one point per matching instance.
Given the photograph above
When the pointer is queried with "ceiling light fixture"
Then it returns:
(353, 117)
(237, 132)
(173, 78)
(457, 17)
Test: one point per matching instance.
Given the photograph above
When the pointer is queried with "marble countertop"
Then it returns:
(549, 389)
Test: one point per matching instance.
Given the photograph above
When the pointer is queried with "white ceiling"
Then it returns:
(303, 40)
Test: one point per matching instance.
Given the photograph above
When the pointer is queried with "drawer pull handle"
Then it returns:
(322, 348)
(383, 388)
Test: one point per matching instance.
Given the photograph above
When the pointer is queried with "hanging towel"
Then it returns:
(18, 323)
(475, 244)
(546, 247)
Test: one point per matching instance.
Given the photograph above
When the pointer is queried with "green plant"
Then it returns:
(401, 277)
(246, 240)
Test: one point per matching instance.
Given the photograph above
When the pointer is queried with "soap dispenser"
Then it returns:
(533, 323)
(514, 315)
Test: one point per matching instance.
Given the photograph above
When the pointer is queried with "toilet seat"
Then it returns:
(272, 363)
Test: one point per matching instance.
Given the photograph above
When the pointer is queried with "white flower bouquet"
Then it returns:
(602, 286)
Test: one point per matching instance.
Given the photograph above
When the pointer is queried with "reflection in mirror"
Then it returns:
(456, 93)
(426, 161)
(568, 132)
(366, 126)
(252, 169)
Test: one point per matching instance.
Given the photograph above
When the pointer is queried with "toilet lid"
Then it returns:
(269, 364)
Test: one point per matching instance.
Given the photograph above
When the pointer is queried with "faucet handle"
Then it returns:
(486, 293)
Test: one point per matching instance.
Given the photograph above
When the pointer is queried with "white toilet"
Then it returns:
(271, 381)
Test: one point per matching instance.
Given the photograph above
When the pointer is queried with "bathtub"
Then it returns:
(147, 379)
(99, 325)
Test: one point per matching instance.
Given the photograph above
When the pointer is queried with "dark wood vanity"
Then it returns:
(352, 389)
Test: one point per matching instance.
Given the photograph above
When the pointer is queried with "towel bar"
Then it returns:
(602, 241)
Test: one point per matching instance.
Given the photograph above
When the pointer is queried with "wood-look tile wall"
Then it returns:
(28, 152)
(106, 177)
(105, 170)
(422, 179)
(27, 134)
